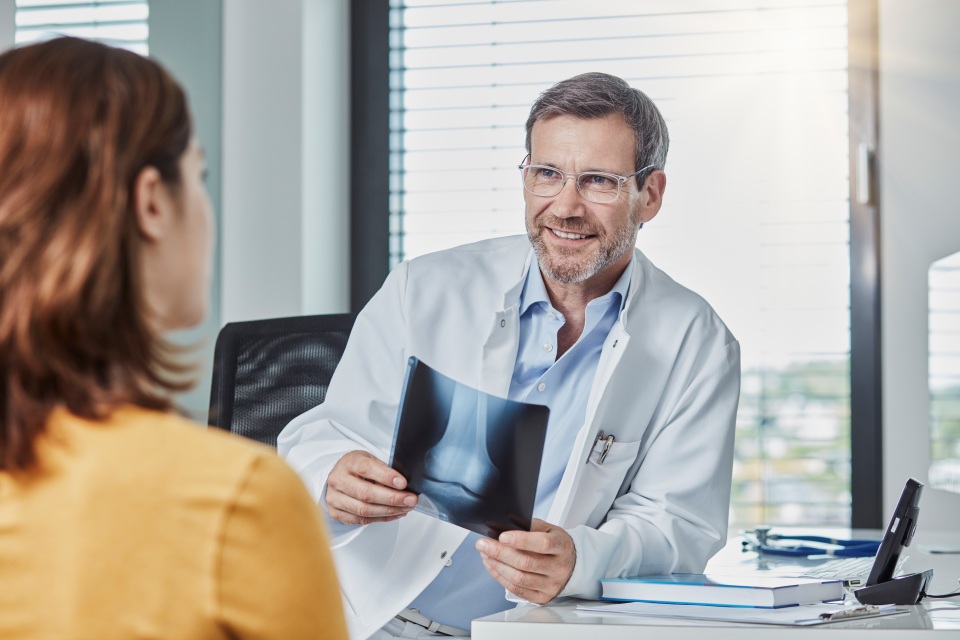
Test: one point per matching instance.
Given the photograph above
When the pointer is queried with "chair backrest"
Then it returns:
(267, 372)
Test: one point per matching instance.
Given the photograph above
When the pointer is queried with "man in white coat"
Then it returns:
(571, 316)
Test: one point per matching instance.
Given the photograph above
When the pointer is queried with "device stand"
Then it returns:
(908, 589)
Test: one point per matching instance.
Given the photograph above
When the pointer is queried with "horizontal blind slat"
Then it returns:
(122, 23)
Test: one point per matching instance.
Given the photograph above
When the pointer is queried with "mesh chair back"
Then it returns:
(267, 372)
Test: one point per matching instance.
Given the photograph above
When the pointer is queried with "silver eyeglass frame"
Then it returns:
(564, 176)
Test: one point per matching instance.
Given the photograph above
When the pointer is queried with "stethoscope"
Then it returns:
(760, 540)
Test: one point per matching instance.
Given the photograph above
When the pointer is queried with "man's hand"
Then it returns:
(534, 565)
(361, 490)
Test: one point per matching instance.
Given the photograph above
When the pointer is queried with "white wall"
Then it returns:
(185, 38)
(8, 28)
(285, 158)
(919, 160)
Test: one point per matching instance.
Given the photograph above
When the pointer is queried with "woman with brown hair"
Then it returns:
(119, 519)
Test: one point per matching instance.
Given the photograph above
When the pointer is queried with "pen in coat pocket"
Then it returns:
(606, 448)
(600, 435)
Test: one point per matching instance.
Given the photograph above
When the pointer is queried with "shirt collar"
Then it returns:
(535, 291)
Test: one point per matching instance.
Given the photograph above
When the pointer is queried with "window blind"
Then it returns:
(756, 212)
(121, 23)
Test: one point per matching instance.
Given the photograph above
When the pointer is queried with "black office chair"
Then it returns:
(267, 372)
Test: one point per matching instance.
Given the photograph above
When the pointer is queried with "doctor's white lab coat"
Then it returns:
(667, 385)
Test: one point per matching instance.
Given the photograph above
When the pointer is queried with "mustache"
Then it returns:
(573, 225)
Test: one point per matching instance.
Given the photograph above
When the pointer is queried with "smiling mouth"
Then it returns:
(566, 235)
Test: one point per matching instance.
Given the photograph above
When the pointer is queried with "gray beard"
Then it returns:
(611, 250)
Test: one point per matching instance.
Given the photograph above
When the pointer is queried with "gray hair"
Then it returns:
(594, 95)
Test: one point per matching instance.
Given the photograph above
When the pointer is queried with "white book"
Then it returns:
(802, 615)
(722, 590)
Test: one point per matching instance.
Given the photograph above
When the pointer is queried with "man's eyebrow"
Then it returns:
(545, 163)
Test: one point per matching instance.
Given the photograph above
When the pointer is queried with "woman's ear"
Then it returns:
(152, 204)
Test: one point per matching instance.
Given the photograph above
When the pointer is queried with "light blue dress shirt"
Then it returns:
(465, 590)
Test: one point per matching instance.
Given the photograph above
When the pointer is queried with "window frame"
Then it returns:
(369, 149)
(866, 391)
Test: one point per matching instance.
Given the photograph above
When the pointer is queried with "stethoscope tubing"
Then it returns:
(853, 548)
(859, 551)
(837, 541)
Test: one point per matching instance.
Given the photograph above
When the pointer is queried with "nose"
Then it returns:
(568, 202)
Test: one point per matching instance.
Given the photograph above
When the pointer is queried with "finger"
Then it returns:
(354, 498)
(364, 465)
(547, 543)
(524, 561)
(525, 579)
(362, 509)
(343, 494)
(349, 518)
(496, 570)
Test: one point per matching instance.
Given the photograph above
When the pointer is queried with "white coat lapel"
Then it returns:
(613, 349)
(500, 352)
(499, 355)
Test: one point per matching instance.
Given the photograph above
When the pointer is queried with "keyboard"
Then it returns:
(853, 571)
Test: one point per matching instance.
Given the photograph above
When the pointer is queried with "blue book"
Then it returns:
(722, 590)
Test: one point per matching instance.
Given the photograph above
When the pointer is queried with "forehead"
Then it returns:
(583, 144)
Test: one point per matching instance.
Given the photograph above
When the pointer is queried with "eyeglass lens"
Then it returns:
(546, 182)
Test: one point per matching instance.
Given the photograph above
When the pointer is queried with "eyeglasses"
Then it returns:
(595, 186)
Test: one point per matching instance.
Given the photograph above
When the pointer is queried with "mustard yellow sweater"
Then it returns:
(147, 526)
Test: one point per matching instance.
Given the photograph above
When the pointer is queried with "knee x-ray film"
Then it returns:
(472, 458)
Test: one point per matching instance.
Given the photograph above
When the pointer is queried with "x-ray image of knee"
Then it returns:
(457, 470)
(473, 458)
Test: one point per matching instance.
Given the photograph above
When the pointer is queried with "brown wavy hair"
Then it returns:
(80, 121)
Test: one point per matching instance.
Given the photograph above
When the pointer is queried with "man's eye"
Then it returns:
(600, 181)
(545, 173)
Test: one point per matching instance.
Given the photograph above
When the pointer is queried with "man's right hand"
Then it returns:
(361, 490)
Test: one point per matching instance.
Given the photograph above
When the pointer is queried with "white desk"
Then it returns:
(933, 619)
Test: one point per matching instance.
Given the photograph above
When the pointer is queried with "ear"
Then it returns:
(151, 204)
(651, 195)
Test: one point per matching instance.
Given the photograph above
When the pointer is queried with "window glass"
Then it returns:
(944, 330)
(756, 213)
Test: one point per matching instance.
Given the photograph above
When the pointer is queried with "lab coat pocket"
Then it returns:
(600, 483)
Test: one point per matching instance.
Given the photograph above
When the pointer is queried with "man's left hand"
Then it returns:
(534, 565)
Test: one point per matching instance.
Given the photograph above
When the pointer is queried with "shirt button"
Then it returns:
(541, 387)
(548, 347)
(552, 315)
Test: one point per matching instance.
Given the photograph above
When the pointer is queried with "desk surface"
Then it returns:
(933, 619)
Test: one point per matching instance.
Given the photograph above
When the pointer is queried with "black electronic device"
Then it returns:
(882, 587)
